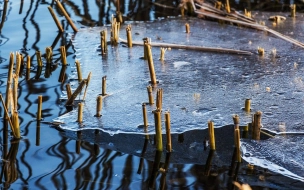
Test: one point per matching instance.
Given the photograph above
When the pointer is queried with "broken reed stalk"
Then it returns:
(18, 63)
(39, 60)
(104, 85)
(63, 55)
(75, 94)
(247, 105)
(16, 132)
(129, 35)
(87, 84)
(39, 108)
(55, 19)
(187, 26)
(15, 93)
(188, 47)
(159, 99)
(168, 131)
(293, 10)
(59, 5)
(78, 71)
(68, 90)
(145, 117)
(158, 130)
(257, 124)
(80, 110)
(103, 42)
(28, 62)
(150, 63)
(98, 106)
(237, 144)
(9, 82)
(162, 53)
(150, 95)
(211, 135)
(227, 6)
(236, 121)
(261, 51)
(114, 31)
(48, 55)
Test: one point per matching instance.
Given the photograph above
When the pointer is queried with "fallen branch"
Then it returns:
(189, 47)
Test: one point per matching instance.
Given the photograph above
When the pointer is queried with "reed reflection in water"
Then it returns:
(45, 158)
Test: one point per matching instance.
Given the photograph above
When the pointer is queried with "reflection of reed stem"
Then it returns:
(38, 133)
(55, 19)
(59, 5)
(8, 118)
(209, 162)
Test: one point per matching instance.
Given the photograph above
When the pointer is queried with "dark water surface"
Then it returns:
(49, 159)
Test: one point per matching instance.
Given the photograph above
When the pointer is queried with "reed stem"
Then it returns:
(151, 64)
(49, 54)
(39, 60)
(150, 95)
(237, 144)
(168, 132)
(211, 135)
(80, 110)
(236, 121)
(129, 35)
(103, 43)
(39, 108)
(158, 130)
(9, 82)
(257, 125)
(55, 19)
(187, 26)
(59, 5)
(104, 85)
(15, 133)
(159, 99)
(28, 62)
(145, 117)
(247, 105)
(69, 91)
(63, 55)
(78, 70)
(75, 94)
(98, 106)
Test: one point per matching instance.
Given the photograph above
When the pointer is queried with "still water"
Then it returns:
(46, 158)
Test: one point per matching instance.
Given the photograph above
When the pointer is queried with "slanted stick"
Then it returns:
(59, 5)
(55, 19)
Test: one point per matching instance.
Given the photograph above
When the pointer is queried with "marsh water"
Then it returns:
(47, 158)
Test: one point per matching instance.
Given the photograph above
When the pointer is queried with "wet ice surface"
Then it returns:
(197, 86)
(283, 154)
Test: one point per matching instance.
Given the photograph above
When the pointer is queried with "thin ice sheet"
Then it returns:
(197, 86)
